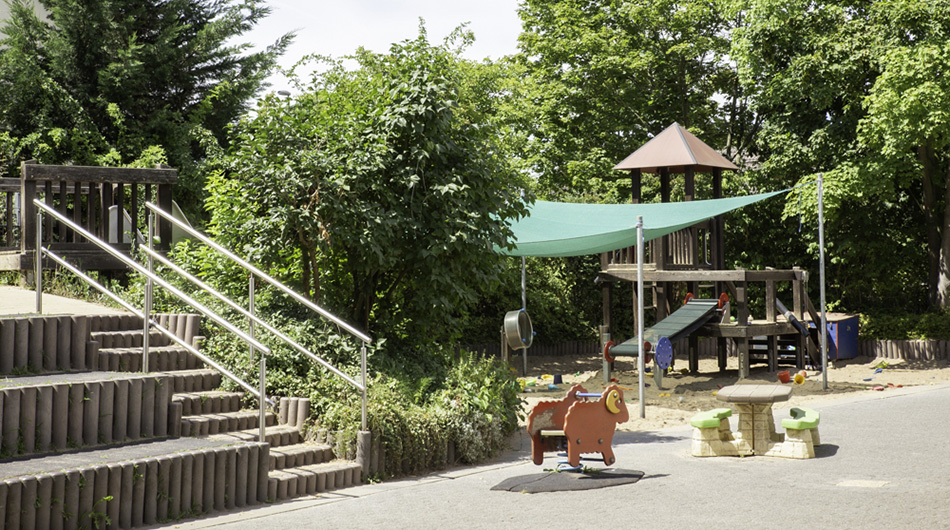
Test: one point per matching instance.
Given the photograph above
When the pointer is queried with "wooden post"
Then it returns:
(743, 344)
(164, 226)
(721, 352)
(636, 186)
(742, 304)
(27, 208)
(120, 212)
(63, 209)
(77, 209)
(105, 203)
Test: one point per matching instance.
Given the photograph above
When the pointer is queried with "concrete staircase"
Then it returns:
(88, 440)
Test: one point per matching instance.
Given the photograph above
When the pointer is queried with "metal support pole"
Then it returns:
(641, 365)
(38, 266)
(524, 307)
(524, 292)
(250, 309)
(262, 435)
(251, 297)
(363, 374)
(823, 332)
(147, 321)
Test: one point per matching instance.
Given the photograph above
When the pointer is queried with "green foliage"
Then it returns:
(474, 406)
(606, 76)
(847, 89)
(104, 83)
(905, 326)
(376, 190)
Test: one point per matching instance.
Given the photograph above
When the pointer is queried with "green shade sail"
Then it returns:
(555, 229)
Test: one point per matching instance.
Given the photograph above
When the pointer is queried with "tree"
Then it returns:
(851, 89)
(609, 75)
(908, 121)
(101, 82)
(381, 184)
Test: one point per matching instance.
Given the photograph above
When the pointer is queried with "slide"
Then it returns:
(683, 321)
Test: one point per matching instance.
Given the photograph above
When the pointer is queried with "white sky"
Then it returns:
(339, 27)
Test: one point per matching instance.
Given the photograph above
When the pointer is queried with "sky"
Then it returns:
(339, 27)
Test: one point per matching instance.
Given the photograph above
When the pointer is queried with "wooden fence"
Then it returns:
(923, 350)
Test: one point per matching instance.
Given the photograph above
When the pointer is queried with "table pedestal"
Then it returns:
(756, 430)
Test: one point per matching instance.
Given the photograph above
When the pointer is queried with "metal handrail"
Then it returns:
(162, 329)
(280, 286)
(261, 274)
(143, 271)
(42, 207)
(247, 314)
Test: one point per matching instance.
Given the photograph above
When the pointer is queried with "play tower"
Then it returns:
(695, 257)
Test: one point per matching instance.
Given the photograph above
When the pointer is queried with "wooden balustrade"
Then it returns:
(85, 195)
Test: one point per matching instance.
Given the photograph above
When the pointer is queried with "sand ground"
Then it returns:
(683, 394)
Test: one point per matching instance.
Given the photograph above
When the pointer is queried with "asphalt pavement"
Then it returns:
(884, 463)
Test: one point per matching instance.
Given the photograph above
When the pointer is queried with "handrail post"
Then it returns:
(147, 311)
(363, 374)
(38, 266)
(263, 367)
(250, 321)
(262, 437)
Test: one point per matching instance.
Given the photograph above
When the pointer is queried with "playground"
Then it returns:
(683, 394)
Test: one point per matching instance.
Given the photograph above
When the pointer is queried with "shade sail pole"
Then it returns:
(823, 332)
(641, 366)
(524, 307)
(524, 293)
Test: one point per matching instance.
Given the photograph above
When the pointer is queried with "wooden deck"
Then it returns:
(744, 329)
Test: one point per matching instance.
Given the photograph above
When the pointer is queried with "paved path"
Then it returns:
(884, 464)
(17, 301)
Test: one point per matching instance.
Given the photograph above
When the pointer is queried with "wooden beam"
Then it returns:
(629, 273)
(636, 186)
(99, 174)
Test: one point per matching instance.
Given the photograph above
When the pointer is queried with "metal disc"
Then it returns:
(663, 354)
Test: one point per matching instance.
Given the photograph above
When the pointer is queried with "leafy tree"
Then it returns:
(102, 81)
(381, 184)
(832, 83)
(908, 124)
(608, 75)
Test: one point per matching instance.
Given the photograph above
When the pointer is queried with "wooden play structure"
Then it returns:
(581, 422)
(694, 256)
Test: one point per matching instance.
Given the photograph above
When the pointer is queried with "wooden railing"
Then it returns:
(85, 195)
(690, 248)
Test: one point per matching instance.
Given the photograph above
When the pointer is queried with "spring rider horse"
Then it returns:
(580, 421)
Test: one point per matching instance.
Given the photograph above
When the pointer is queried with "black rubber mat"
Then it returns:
(568, 481)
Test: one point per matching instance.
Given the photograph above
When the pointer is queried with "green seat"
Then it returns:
(710, 419)
(801, 419)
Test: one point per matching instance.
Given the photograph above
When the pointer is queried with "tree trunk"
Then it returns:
(943, 275)
(925, 154)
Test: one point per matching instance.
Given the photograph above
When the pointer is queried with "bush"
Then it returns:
(476, 407)
(933, 325)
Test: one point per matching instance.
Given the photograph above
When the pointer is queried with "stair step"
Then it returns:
(198, 380)
(275, 435)
(224, 422)
(160, 358)
(136, 485)
(128, 338)
(61, 412)
(307, 480)
(302, 454)
(209, 402)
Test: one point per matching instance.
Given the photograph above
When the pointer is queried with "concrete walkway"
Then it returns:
(18, 301)
(884, 464)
